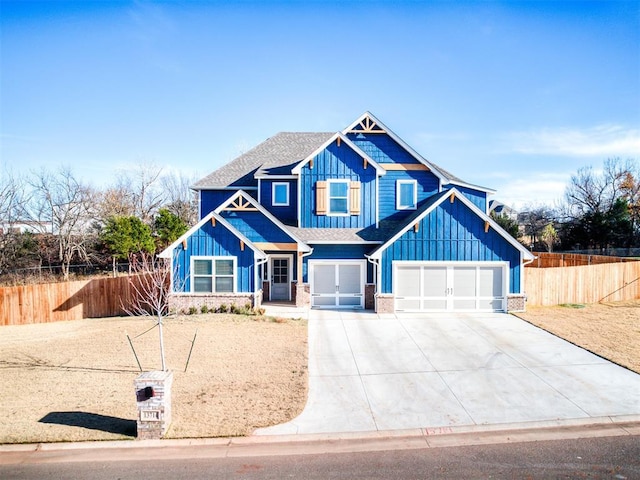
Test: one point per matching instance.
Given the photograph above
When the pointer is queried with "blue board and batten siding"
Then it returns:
(427, 185)
(477, 197)
(451, 232)
(212, 199)
(286, 214)
(339, 163)
(381, 148)
(256, 227)
(213, 241)
(339, 252)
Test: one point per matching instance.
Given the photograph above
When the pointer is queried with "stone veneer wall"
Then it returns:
(369, 296)
(384, 303)
(154, 411)
(182, 302)
(303, 294)
(516, 303)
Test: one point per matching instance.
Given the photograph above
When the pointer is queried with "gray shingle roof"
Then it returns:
(276, 155)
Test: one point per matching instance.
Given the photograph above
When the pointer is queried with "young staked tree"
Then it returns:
(150, 286)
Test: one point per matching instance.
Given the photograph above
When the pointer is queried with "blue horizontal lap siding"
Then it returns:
(287, 215)
(210, 241)
(451, 232)
(256, 227)
(340, 163)
(339, 252)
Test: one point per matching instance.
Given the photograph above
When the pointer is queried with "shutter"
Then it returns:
(354, 198)
(321, 197)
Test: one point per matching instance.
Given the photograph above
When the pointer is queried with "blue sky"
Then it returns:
(511, 95)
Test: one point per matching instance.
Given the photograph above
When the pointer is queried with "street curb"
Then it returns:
(259, 445)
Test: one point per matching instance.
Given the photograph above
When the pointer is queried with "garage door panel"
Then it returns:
(324, 279)
(490, 281)
(464, 281)
(422, 286)
(337, 284)
(434, 281)
(408, 281)
(434, 304)
(349, 279)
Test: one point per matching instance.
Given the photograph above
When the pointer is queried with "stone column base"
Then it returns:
(153, 396)
(385, 303)
(516, 303)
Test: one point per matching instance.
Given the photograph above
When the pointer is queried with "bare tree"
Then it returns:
(596, 192)
(12, 202)
(150, 286)
(180, 199)
(62, 204)
(140, 189)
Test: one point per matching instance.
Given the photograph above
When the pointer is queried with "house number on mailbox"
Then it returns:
(150, 415)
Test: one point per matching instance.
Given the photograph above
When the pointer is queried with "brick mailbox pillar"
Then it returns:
(153, 396)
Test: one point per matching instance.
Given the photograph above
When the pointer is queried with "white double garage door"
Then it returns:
(417, 286)
(450, 286)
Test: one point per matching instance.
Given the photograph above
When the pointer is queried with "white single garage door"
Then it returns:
(450, 286)
(337, 283)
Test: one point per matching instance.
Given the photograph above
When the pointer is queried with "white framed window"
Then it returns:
(406, 194)
(338, 197)
(213, 274)
(280, 194)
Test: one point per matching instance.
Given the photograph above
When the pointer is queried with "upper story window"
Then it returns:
(280, 194)
(213, 274)
(338, 192)
(337, 197)
(406, 194)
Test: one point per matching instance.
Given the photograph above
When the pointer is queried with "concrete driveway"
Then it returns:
(437, 371)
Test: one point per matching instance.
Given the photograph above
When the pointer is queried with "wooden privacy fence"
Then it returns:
(53, 302)
(546, 260)
(608, 282)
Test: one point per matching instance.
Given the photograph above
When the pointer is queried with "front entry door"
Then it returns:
(280, 268)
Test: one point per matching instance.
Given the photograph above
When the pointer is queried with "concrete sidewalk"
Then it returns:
(372, 373)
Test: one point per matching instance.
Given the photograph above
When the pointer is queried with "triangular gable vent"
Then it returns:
(367, 125)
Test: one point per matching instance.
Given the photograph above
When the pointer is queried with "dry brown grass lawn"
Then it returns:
(611, 330)
(70, 381)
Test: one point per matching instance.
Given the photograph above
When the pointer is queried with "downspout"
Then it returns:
(299, 283)
(258, 263)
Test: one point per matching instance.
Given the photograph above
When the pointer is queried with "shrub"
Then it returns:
(204, 309)
(193, 310)
(222, 308)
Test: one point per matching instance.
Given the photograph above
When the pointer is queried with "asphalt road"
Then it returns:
(593, 458)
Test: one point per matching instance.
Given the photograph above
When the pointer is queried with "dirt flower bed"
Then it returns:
(611, 330)
(71, 381)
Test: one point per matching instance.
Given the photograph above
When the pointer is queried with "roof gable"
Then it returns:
(367, 123)
(241, 201)
(432, 204)
(167, 252)
(338, 137)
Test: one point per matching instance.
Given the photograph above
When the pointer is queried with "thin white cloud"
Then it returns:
(534, 188)
(600, 141)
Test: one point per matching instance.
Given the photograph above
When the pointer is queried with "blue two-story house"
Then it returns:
(351, 219)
